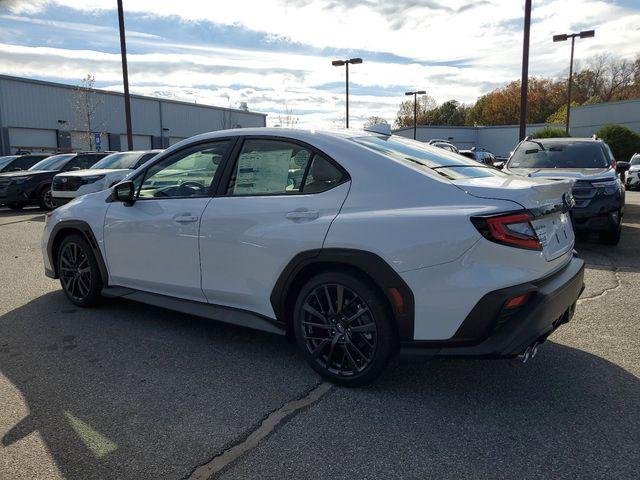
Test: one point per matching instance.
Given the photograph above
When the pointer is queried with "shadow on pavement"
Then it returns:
(127, 391)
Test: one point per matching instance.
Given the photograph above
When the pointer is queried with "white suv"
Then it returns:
(103, 174)
(353, 243)
(633, 174)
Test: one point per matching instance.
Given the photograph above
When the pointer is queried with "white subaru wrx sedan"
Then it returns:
(356, 244)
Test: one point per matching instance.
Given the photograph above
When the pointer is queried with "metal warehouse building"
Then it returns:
(51, 117)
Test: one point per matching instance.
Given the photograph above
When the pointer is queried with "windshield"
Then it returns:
(4, 161)
(418, 154)
(118, 160)
(53, 163)
(541, 154)
(635, 160)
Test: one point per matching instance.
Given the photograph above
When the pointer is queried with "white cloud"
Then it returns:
(486, 35)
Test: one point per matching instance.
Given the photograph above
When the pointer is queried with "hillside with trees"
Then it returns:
(603, 78)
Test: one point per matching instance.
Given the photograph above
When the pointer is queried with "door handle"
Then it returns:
(185, 218)
(303, 214)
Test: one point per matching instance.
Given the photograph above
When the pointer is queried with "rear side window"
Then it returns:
(83, 161)
(276, 167)
(427, 157)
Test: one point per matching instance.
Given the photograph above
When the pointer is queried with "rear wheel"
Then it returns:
(45, 199)
(344, 331)
(79, 273)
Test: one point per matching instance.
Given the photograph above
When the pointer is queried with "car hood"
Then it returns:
(29, 173)
(92, 172)
(562, 173)
(529, 193)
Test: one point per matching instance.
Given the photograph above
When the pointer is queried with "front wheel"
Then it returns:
(79, 273)
(45, 199)
(343, 329)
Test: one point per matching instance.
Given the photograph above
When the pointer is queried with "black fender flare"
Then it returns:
(378, 270)
(83, 229)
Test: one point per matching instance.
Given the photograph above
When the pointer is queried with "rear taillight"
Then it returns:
(513, 229)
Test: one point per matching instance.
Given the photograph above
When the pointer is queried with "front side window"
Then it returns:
(427, 157)
(188, 173)
(565, 154)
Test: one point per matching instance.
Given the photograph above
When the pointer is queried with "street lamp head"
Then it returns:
(587, 34)
(408, 93)
(560, 38)
(338, 63)
(355, 60)
(421, 92)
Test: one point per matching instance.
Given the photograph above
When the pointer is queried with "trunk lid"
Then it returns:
(548, 200)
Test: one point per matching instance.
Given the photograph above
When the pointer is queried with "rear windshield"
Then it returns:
(541, 154)
(4, 161)
(417, 154)
(118, 160)
(55, 162)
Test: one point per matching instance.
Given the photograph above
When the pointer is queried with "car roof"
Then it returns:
(567, 139)
(296, 133)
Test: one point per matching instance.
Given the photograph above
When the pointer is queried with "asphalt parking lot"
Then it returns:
(128, 391)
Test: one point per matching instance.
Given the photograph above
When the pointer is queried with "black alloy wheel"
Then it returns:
(45, 199)
(343, 329)
(78, 270)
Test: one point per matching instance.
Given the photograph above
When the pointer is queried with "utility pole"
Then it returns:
(125, 76)
(415, 109)
(524, 83)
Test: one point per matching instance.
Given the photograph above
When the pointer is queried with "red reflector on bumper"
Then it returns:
(518, 301)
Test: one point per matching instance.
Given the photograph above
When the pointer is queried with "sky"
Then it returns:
(276, 55)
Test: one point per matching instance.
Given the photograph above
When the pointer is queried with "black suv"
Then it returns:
(33, 186)
(16, 163)
(598, 192)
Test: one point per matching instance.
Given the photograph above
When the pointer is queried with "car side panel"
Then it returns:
(246, 242)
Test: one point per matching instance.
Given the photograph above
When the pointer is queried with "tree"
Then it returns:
(404, 117)
(560, 116)
(623, 141)
(373, 120)
(287, 119)
(86, 103)
(549, 132)
(450, 112)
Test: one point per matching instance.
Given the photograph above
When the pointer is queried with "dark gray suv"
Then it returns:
(598, 192)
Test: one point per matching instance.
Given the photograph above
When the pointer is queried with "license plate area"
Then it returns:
(555, 233)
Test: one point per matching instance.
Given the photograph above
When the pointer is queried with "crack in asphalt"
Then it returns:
(616, 274)
(267, 426)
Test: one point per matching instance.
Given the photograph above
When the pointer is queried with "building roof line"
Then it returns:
(120, 94)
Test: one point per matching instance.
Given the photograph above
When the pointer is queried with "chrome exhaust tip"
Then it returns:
(524, 357)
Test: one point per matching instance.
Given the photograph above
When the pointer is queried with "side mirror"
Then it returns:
(622, 167)
(74, 169)
(125, 192)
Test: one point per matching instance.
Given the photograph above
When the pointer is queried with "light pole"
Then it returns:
(415, 109)
(339, 63)
(125, 76)
(524, 82)
(562, 38)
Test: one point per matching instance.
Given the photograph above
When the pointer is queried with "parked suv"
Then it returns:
(383, 243)
(107, 172)
(633, 174)
(598, 191)
(16, 163)
(33, 186)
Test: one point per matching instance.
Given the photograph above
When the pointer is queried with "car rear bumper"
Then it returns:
(491, 331)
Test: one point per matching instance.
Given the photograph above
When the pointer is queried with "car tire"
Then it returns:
(15, 206)
(78, 270)
(612, 236)
(350, 340)
(45, 199)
